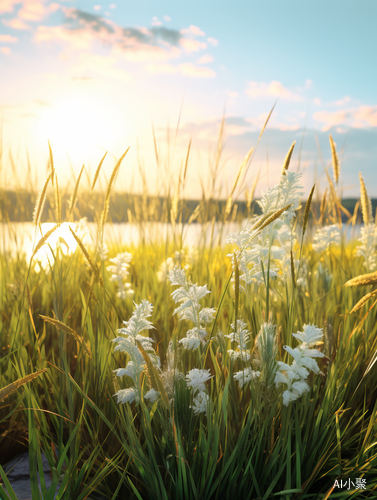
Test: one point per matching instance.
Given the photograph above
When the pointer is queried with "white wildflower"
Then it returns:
(200, 403)
(245, 376)
(326, 236)
(252, 256)
(120, 272)
(190, 309)
(127, 343)
(367, 249)
(195, 379)
(152, 395)
(295, 375)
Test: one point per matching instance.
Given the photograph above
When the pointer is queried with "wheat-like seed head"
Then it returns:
(58, 206)
(40, 203)
(335, 161)
(88, 258)
(366, 206)
(153, 376)
(293, 274)
(363, 301)
(288, 159)
(43, 240)
(307, 211)
(61, 326)
(363, 279)
(108, 192)
(274, 216)
(74, 195)
(51, 163)
(97, 171)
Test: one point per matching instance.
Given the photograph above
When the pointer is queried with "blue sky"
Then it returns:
(93, 77)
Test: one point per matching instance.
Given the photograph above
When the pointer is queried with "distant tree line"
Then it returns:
(18, 206)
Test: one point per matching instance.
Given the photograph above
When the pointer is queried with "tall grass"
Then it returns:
(236, 439)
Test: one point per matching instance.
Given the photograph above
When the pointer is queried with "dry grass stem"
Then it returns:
(88, 258)
(43, 240)
(153, 377)
(40, 203)
(366, 206)
(362, 301)
(288, 159)
(108, 192)
(274, 216)
(98, 171)
(307, 210)
(74, 195)
(335, 161)
(58, 207)
(61, 326)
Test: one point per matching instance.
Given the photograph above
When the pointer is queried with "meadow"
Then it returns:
(159, 371)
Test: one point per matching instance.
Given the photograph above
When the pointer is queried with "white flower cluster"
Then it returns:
(326, 236)
(136, 365)
(367, 249)
(195, 380)
(190, 257)
(190, 309)
(288, 191)
(242, 336)
(294, 376)
(120, 272)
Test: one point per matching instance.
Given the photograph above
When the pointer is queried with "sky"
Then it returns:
(92, 78)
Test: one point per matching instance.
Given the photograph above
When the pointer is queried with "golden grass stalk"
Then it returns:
(241, 170)
(38, 210)
(51, 163)
(366, 206)
(28, 296)
(187, 158)
(61, 326)
(274, 216)
(153, 377)
(236, 288)
(323, 204)
(362, 280)
(293, 274)
(288, 159)
(97, 171)
(362, 301)
(5, 391)
(195, 213)
(108, 192)
(43, 240)
(335, 161)
(307, 211)
(266, 122)
(58, 206)
(88, 258)
(74, 195)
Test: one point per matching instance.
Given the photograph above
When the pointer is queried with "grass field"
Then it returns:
(246, 371)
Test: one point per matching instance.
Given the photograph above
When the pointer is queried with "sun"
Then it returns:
(79, 125)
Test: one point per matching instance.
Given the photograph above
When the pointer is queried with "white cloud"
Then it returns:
(205, 59)
(360, 117)
(5, 50)
(274, 88)
(190, 69)
(212, 41)
(8, 38)
(190, 45)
